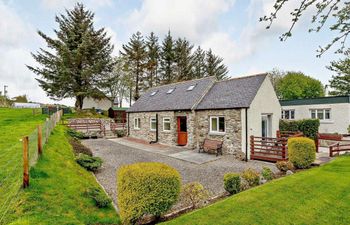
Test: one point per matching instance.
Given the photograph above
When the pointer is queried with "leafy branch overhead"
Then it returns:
(336, 12)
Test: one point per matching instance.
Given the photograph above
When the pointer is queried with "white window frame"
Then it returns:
(168, 121)
(211, 131)
(150, 123)
(323, 112)
(137, 122)
(283, 114)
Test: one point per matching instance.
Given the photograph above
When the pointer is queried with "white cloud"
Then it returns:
(193, 19)
(114, 40)
(61, 4)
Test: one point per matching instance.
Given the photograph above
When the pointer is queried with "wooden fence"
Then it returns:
(99, 126)
(337, 148)
(268, 149)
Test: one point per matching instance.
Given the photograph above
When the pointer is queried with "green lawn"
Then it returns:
(317, 196)
(57, 186)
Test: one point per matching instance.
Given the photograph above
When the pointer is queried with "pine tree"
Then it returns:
(183, 59)
(167, 57)
(199, 63)
(340, 83)
(214, 66)
(135, 52)
(77, 58)
(152, 64)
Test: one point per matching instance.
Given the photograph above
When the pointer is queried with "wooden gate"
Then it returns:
(268, 149)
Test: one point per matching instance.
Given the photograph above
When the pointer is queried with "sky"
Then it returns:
(231, 28)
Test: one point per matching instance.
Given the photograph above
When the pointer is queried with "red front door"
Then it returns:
(181, 130)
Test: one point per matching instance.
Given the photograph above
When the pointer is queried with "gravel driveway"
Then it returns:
(210, 174)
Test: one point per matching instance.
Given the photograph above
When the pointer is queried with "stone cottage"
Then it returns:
(185, 113)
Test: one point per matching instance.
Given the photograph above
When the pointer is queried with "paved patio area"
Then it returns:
(206, 169)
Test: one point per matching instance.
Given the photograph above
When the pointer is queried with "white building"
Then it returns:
(26, 105)
(102, 104)
(333, 112)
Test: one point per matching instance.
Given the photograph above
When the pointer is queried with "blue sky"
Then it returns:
(229, 27)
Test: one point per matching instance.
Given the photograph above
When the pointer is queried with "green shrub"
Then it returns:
(309, 127)
(349, 129)
(289, 125)
(194, 193)
(266, 173)
(75, 134)
(100, 198)
(120, 133)
(251, 176)
(301, 151)
(89, 162)
(232, 183)
(148, 188)
(284, 166)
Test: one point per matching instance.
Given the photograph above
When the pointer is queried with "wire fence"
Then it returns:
(15, 163)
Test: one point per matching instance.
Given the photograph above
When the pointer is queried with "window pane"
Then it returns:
(166, 124)
(282, 114)
(153, 124)
(222, 124)
(286, 115)
(320, 114)
(214, 124)
(292, 114)
(327, 114)
(139, 123)
(313, 114)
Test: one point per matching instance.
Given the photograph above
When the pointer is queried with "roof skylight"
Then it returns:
(170, 90)
(153, 93)
(191, 87)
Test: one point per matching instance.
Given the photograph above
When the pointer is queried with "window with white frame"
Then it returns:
(166, 124)
(288, 114)
(153, 124)
(321, 114)
(217, 124)
(137, 123)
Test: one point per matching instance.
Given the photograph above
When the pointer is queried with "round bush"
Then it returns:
(301, 152)
(251, 176)
(146, 189)
(284, 166)
(232, 183)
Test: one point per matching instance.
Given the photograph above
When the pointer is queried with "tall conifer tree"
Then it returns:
(183, 58)
(78, 57)
(152, 64)
(135, 52)
(167, 62)
(215, 66)
(199, 63)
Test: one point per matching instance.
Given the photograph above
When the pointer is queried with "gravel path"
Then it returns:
(210, 174)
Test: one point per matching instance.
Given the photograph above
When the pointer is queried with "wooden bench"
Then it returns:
(211, 145)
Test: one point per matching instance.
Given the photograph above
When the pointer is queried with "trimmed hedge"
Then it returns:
(89, 162)
(148, 188)
(301, 151)
(232, 183)
(309, 127)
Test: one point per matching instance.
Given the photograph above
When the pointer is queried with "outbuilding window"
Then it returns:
(153, 124)
(288, 114)
(321, 114)
(166, 124)
(137, 123)
(217, 124)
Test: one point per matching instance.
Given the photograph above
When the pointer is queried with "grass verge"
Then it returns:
(316, 196)
(56, 194)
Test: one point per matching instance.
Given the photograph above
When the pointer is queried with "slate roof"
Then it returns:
(233, 93)
(207, 94)
(179, 99)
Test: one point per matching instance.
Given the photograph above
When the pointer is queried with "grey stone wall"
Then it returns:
(233, 125)
(197, 127)
(145, 133)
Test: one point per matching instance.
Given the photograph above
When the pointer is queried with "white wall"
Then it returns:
(338, 123)
(90, 103)
(265, 102)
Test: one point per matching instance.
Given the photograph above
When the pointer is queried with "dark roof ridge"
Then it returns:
(204, 94)
(331, 96)
(180, 82)
(243, 77)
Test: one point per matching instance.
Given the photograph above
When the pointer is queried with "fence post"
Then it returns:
(25, 162)
(47, 130)
(251, 147)
(40, 143)
(283, 148)
(330, 151)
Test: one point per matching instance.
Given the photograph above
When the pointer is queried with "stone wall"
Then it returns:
(145, 133)
(231, 138)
